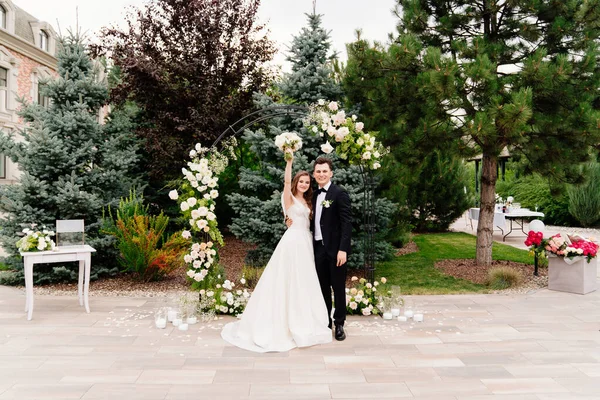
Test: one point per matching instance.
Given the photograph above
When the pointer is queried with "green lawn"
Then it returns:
(415, 273)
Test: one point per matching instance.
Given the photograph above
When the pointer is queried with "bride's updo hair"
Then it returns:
(308, 194)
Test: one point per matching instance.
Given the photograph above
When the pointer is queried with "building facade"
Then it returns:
(27, 57)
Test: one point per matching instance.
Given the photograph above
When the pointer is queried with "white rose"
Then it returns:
(376, 154)
(354, 279)
(331, 131)
(201, 223)
(360, 142)
(333, 106)
(321, 102)
(366, 155)
(214, 194)
(192, 201)
(243, 281)
(315, 129)
(187, 258)
(186, 234)
(326, 148)
(383, 280)
(197, 264)
(203, 211)
(198, 147)
(354, 117)
(353, 305)
(207, 196)
(195, 214)
(173, 195)
(211, 216)
(359, 126)
(191, 273)
(196, 246)
(343, 131)
(376, 165)
(194, 184)
(193, 153)
(280, 141)
(198, 277)
(184, 206)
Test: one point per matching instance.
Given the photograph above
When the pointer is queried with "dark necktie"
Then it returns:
(322, 190)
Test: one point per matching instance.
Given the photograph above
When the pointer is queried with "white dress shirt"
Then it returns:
(318, 212)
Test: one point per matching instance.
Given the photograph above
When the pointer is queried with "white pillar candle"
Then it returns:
(402, 318)
(177, 321)
(192, 320)
(395, 312)
(161, 323)
(171, 314)
(418, 318)
(408, 313)
(183, 327)
(387, 315)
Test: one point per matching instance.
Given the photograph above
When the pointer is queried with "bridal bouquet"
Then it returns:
(38, 240)
(288, 141)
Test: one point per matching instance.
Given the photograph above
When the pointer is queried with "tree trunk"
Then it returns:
(485, 226)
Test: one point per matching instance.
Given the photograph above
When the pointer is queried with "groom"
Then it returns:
(332, 228)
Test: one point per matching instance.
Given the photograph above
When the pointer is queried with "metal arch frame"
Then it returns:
(369, 216)
(272, 112)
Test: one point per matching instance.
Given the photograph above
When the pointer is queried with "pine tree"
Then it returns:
(260, 218)
(487, 75)
(72, 166)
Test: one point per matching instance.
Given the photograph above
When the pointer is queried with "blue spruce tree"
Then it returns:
(72, 165)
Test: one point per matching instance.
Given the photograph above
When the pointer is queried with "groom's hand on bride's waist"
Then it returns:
(341, 258)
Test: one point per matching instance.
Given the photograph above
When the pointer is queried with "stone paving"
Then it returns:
(540, 346)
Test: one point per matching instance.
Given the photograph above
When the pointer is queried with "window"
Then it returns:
(44, 40)
(43, 100)
(2, 17)
(4, 84)
(3, 77)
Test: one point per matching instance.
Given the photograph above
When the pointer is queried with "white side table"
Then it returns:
(82, 253)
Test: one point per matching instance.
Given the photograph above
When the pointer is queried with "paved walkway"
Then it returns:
(544, 345)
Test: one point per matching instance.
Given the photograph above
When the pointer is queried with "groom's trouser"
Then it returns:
(331, 276)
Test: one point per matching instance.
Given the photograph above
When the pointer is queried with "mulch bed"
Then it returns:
(410, 247)
(469, 270)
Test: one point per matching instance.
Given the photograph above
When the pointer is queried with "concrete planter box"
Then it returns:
(579, 277)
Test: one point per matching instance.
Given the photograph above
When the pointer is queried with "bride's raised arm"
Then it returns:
(287, 182)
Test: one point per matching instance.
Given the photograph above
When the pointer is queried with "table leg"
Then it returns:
(26, 273)
(80, 283)
(86, 284)
(508, 233)
(29, 287)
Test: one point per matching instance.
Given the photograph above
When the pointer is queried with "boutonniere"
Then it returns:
(327, 203)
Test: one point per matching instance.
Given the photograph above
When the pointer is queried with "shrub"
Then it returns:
(584, 200)
(141, 241)
(503, 277)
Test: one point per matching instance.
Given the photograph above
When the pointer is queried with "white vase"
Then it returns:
(579, 277)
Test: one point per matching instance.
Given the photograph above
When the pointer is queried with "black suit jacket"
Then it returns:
(336, 220)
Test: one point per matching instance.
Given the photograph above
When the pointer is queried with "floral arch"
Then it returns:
(197, 195)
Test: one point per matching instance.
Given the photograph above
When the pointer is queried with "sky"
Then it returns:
(284, 18)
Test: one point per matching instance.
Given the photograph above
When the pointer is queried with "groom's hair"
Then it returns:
(323, 160)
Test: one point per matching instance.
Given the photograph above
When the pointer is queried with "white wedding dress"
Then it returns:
(286, 309)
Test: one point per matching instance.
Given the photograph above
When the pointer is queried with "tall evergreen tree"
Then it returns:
(72, 166)
(492, 74)
(260, 219)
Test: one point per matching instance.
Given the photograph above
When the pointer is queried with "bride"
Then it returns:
(286, 309)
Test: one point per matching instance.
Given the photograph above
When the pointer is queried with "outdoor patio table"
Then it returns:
(520, 216)
(82, 253)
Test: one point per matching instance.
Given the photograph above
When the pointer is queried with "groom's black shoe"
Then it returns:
(339, 332)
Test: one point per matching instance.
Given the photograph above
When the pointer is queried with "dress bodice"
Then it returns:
(299, 213)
